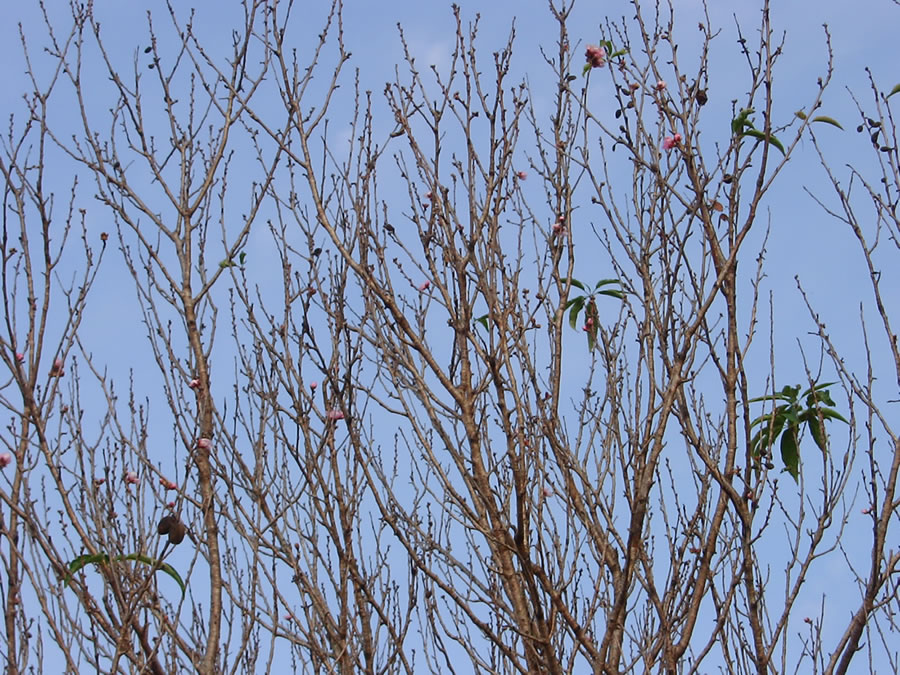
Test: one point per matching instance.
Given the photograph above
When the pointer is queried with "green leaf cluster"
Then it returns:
(103, 559)
(587, 303)
(794, 410)
(742, 125)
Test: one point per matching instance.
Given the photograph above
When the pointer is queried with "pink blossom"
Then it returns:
(596, 56)
(660, 85)
(547, 491)
(313, 385)
(522, 175)
(5, 460)
(867, 511)
(204, 443)
(194, 384)
(424, 285)
(132, 478)
(428, 195)
(335, 414)
(56, 370)
(670, 142)
(20, 357)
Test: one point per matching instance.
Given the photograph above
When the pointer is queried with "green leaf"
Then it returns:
(592, 330)
(586, 69)
(817, 431)
(829, 414)
(83, 560)
(765, 437)
(789, 454)
(225, 264)
(242, 258)
(577, 284)
(483, 320)
(828, 120)
(741, 121)
(895, 90)
(621, 52)
(756, 133)
(800, 114)
(576, 305)
(103, 558)
(152, 562)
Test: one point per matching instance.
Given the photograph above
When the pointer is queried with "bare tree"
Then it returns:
(454, 383)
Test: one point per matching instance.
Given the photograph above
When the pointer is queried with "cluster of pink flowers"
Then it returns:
(559, 227)
(596, 56)
(670, 142)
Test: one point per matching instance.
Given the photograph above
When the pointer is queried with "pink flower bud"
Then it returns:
(167, 484)
(99, 481)
(132, 478)
(194, 384)
(660, 85)
(424, 285)
(20, 357)
(522, 175)
(5, 460)
(204, 443)
(428, 195)
(547, 491)
(335, 414)
(596, 56)
(56, 370)
(313, 385)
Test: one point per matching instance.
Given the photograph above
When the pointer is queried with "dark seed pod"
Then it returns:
(176, 534)
(165, 524)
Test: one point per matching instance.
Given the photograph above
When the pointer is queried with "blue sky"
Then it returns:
(804, 242)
